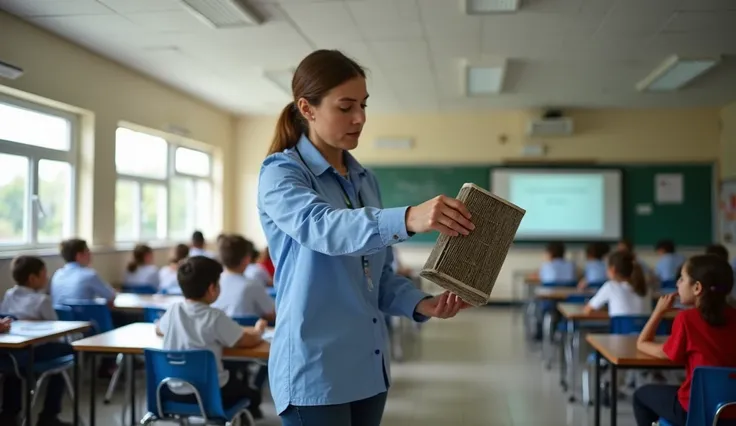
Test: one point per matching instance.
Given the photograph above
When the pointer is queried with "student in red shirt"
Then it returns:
(702, 336)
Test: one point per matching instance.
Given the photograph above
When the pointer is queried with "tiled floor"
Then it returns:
(472, 370)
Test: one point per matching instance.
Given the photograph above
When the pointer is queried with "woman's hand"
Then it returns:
(5, 324)
(665, 303)
(444, 214)
(445, 305)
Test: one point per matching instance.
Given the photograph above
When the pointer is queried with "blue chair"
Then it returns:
(152, 314)
(96, 313)
(198, 371)
(596, 285)
(139, 289)
(13, 317)
(64, 313)
(622, 324)
(713, 389)
(668, 285)
(247, 321)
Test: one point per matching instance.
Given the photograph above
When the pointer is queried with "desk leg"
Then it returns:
(30, 385)
(92, 386)
(597, 388)
(572, 335)
(614, 394)
(131, 382)
(76, 389)
(563, 358)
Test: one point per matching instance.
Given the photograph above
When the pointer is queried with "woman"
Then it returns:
(330, 241)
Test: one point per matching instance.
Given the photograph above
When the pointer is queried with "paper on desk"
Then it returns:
(268, 336)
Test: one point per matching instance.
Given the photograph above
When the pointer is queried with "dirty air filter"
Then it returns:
(469, 265)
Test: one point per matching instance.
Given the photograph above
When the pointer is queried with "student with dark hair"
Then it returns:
(627, 245)
(256, 270)
(717, 250)
(27, 301)
(625, 292)
(701, 336)
(556, 269)
(239, 295)
(669, 263)
(195, 324)
(76, 280)
(167, 275)
(198, 245)
(595, 268)
(140, 270)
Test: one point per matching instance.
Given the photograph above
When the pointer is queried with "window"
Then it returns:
(165, 195)
(37, 175)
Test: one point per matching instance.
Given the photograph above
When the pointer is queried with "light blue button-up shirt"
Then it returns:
(596, 271)
(668, 266)
(330, 341)
(74, 281)
(558, 271)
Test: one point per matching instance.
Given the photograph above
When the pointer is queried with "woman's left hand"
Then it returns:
(445, 305)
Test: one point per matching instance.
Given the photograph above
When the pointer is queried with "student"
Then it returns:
(265, 260)
(194, 324)
(240, 296)
(141, 271)
(717, 250)
(669, 263)
(198, 245)
(167, 275)
(556, 269)
(76, 280)
(626, 245)
(625, 292)
(26, 301)
(595, 268)
(255, 271)
(702, 336)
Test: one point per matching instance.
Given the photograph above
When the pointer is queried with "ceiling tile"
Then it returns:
(386, 19)
(445, 18)
(171, 21)
(87, 26)
(635, 25)
(47, 8)
(713, 21)
(323, 22)
(552, 6)
(401, 54)
(706, 5)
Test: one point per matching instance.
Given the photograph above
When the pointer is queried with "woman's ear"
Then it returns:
(305, 109)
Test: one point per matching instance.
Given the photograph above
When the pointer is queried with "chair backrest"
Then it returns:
(271, 291)
(152, 314)
(578, 299)
(668, 284)
(139, 289)
(96, 313)
(196, 367)
(560, 284)
(634, 324)
(65, 313)
(13, 317)
(713, 389)
(247, 321)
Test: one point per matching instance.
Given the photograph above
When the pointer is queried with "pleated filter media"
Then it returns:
(469, 265)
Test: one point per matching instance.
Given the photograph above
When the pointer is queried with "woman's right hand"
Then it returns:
(444, 214)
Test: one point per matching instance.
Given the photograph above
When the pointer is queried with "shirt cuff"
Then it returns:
(410, 302)
(392, 225)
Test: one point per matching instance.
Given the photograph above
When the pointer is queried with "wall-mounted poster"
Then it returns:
(728, 211)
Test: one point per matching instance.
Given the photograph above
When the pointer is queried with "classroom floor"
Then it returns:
(473, 370)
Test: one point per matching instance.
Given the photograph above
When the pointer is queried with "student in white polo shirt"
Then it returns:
(141, 271)
(27, 301)
(239, 295)
(194, 324)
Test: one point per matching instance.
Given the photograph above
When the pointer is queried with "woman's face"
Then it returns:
(340, 117)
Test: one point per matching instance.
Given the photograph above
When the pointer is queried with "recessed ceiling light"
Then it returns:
(483, 7)
(223, 13)
(675, 73)
(484, 80)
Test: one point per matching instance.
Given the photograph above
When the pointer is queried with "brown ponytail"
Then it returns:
(140, 251)
(317, 74)
(625, 267)
(716, 278)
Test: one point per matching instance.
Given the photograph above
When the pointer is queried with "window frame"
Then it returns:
(35, 154)
(171, 173)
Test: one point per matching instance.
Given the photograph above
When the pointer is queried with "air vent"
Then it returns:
(550, 127)
(223, 13)
(483, 7)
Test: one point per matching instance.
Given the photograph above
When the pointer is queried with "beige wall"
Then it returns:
(105, 93)
(728, 141)
(473, 138)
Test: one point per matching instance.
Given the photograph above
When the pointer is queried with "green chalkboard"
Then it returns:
(688, 224)
(408, 186)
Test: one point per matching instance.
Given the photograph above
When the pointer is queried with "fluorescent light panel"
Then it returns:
(675, 73)
(482, 7)
(223, 13)
(10, 71)
(481, 81)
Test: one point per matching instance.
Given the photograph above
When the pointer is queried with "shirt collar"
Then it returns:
(23, 289)
(73, 265)
(317, 163)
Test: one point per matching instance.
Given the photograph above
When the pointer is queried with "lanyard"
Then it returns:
(348, 204)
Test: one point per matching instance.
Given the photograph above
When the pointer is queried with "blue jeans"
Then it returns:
(366, 412)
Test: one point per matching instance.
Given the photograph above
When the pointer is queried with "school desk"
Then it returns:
(24, 335)
(132, 340)
(620, 352)
(574, 314)
(137, 302)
